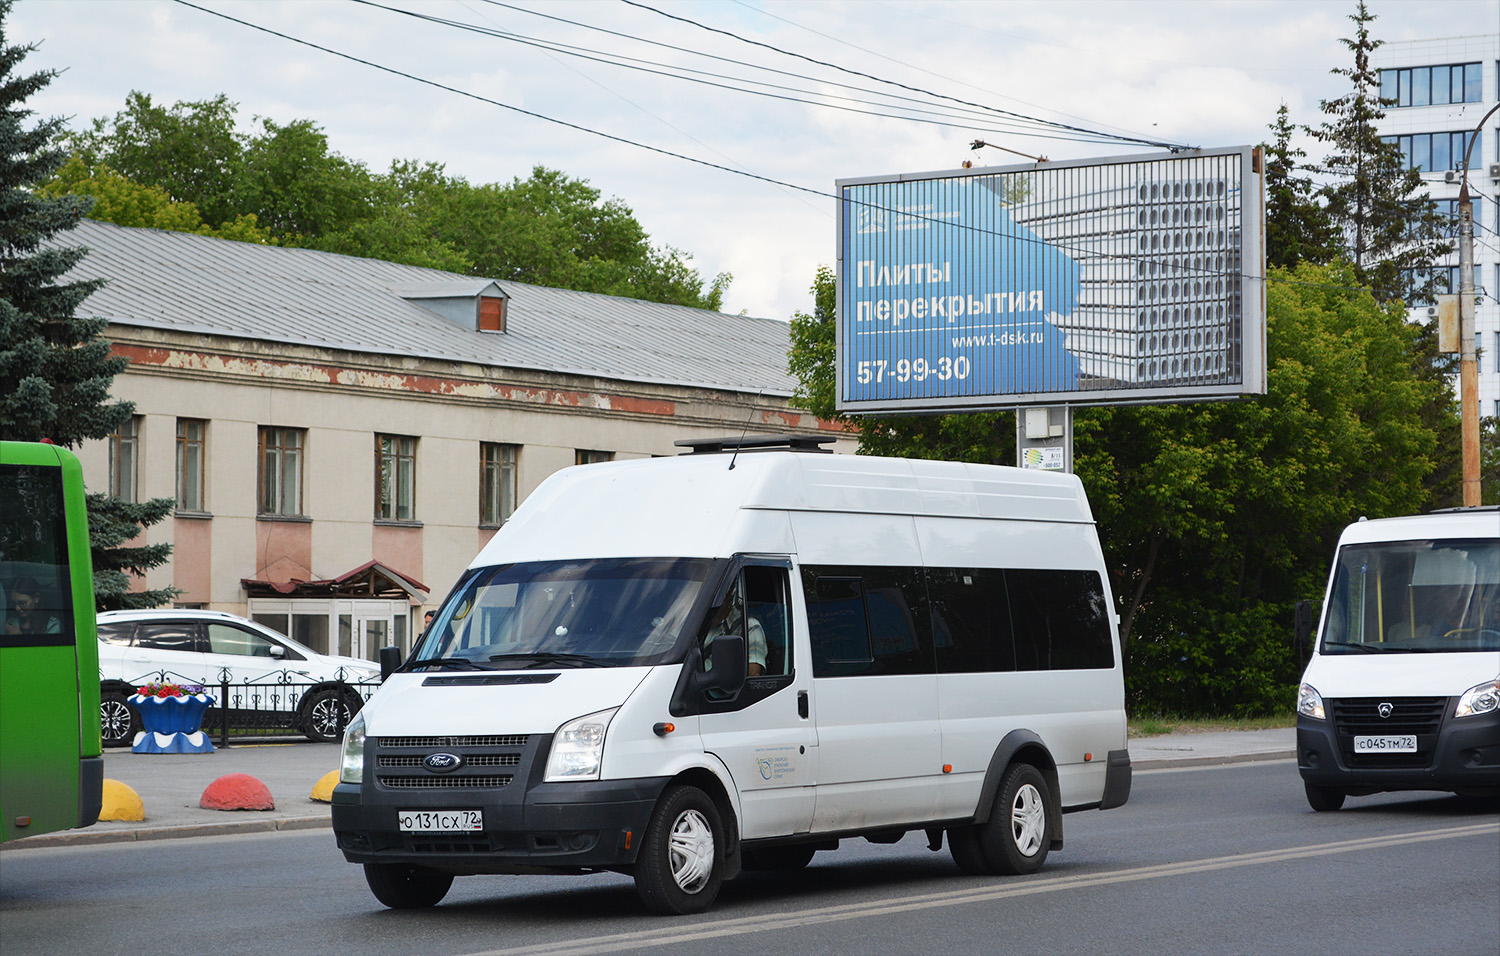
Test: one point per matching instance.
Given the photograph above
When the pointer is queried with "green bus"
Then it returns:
(51, 764)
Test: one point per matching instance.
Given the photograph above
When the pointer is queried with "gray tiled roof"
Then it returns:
(187, 283)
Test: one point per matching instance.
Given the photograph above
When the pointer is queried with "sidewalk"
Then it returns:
(170, 785)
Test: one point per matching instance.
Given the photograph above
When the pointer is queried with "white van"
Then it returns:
(683, 667)
(1403, 689)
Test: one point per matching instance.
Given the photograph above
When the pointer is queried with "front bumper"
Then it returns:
(1460, 753)
(529, 825)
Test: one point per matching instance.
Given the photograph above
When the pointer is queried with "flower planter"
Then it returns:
(173, 725)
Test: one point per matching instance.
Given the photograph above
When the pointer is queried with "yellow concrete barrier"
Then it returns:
(322, 791)
(121, 803)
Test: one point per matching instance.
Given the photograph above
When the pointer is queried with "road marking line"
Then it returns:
(744, 925)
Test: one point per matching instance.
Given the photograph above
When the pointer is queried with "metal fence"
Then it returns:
(281, 704)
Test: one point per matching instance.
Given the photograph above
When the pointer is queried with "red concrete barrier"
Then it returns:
(237, 791)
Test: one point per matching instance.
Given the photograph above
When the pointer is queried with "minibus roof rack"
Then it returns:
(744, 443)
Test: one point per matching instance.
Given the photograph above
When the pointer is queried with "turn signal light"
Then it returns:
(662, 729)
(947, 768)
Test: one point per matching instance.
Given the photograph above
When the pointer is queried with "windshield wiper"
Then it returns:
(1356, 645)
(548, 658)
(459, 662)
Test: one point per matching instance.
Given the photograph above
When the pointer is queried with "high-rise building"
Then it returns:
(1442, 89)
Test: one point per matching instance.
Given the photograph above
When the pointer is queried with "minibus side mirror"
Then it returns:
(727, 674)
(1304, 627)
(390, 659)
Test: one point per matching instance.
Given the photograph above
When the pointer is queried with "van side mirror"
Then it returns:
(729, 666)
(1304, 627)
(390, 659)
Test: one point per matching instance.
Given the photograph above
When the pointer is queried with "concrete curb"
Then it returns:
(1184, 763)
(143, 834)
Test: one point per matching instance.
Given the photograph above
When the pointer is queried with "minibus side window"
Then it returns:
(836, 625)
(867, 621)
(1060, 620)
(971, 620)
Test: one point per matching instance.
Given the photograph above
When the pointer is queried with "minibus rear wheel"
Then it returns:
(403, 886)
(1018, 834)
(681, 864)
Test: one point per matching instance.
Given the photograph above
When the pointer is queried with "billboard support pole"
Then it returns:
(1044, 437)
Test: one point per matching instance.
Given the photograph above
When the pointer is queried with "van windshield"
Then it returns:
(597, 613)
(1415, 597)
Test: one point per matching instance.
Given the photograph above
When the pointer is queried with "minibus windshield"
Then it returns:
(594, 613)
(1415, 597)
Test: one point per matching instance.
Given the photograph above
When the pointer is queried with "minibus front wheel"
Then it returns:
(681, 863)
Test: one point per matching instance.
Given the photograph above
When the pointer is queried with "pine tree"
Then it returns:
(55, 367)
(1297, 228)
(1391, 228)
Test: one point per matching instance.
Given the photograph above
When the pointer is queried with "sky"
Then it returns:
(1180, 72)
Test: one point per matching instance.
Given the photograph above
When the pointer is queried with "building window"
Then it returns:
(584, 456)
(1448, 209)
(1432, 85)
(395, 477)
(1432, 151)
(281, 471)
(190, 435)
(497, 483)
(124, 446)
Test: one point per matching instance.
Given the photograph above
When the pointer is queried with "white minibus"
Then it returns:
(1403, 688)
(682, 668)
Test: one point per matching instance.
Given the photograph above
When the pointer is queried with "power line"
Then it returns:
(1174, 147)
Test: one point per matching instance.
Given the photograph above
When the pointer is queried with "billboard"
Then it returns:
(1095, 282)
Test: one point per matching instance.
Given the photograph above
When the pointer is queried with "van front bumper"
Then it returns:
(1462, 754)
(544, 827)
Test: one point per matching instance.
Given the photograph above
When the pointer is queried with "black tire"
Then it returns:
(320, 716)
(1018, 834)
(1323, 799)
(681, 863)
(963, 843)
(118, 720)
(783, 858)
(402, 886)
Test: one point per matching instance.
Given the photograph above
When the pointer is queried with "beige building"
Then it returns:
(343, 435)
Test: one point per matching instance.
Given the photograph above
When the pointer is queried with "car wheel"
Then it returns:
(1018, 834)
(784, 858)
(402, 886)
(326, 714)
(681, 864)
(1323, 799)
(118, 721)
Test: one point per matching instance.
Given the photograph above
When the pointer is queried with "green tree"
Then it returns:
(55, 367)
(1297, 227)
(127, 203)
(1391, 228)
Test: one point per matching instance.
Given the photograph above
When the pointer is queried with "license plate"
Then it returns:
(441, 821)
(1386, 744)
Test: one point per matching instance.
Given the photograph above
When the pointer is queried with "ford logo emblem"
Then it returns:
(442, 763)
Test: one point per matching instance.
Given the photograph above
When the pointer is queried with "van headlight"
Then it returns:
(1310, 702)
(578, 747)
(1479, 699)
(352, 757)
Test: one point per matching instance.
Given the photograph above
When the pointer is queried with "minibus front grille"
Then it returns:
(1421, 717)
(475, 760)
(488, 782)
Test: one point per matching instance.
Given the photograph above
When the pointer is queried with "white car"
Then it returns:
(271, 671)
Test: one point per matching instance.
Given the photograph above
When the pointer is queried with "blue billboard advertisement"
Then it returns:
(1098, 282)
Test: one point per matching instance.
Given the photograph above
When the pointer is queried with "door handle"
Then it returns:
(802, 704)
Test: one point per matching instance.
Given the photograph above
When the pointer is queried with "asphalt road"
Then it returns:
(1206, 860)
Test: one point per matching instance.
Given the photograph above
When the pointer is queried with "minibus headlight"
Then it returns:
(352, 758)
(1310, 702)
(1479, 699)
(578, 747)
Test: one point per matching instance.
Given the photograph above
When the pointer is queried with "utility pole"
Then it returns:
(1468, 366)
